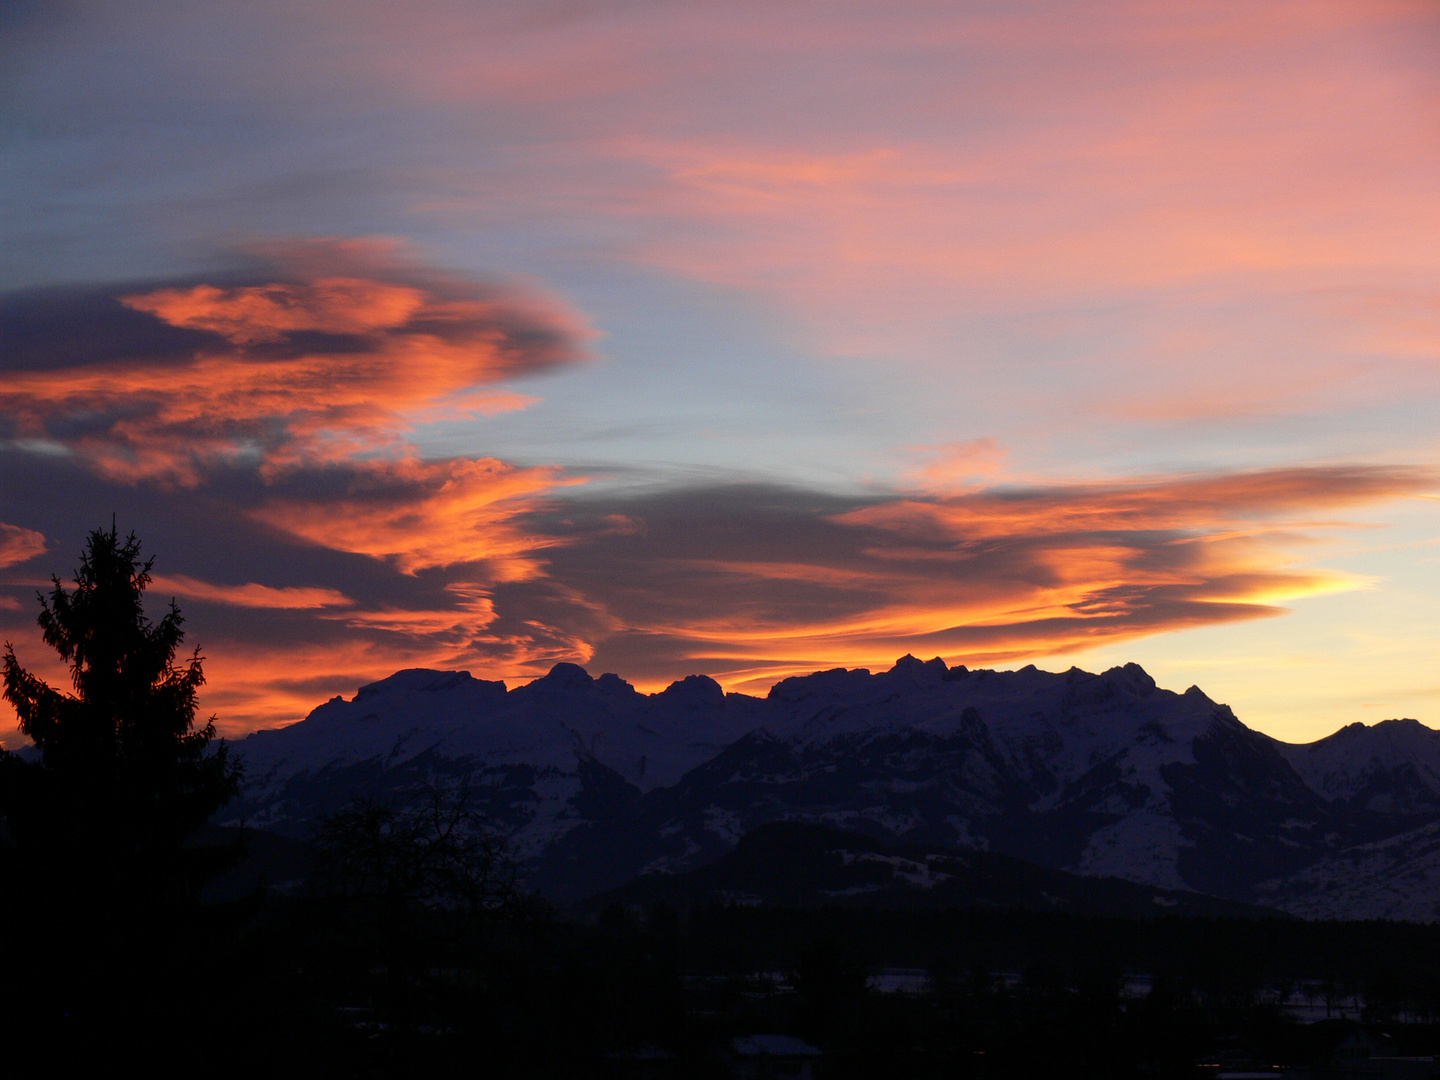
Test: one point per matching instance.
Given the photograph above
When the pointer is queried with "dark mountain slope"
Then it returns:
(791, 864)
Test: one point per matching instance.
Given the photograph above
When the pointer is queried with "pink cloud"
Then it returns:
(958, 465)
(1201, 189)
(749, 590)
(19, 545)
(308, 369)
(423, 514)
(897, 177)
(249, 595)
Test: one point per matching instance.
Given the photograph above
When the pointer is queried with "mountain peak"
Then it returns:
(564, 676)
(1389, 766)
(694, 691)
(1134, 677)
(613, 684)
(932, 670)
(410, 680)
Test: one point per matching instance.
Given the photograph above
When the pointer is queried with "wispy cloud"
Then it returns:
(1204, 194)
(250, 594)
(333, 359)
(957, 466)
(19, 545)
(422, 514)
(747, 582)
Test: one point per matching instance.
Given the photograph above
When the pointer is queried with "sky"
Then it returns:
(746, 339)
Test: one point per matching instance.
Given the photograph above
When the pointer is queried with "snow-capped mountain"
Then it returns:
(1099, 774)
(1392, 767)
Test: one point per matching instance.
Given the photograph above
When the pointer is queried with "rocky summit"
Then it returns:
(594, 783)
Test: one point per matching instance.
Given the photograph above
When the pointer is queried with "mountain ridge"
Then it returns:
(1102, 774)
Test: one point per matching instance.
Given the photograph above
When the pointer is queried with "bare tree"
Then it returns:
(438, 855)
(409, 895)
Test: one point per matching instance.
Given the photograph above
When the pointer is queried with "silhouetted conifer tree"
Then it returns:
(95, 863)
(125, 774)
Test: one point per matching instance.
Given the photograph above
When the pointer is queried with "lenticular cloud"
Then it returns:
(308, 380)
(331, 357)
(753, 584)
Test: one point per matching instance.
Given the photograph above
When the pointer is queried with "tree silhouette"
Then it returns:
(409, 900)
(125, 774)
(94, 859)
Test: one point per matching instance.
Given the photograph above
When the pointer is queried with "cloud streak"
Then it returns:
(423, 514)
(751, 584)
(249, 595)
(337, 356)
(19, 545)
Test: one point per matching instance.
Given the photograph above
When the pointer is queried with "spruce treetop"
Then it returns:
(125, 771)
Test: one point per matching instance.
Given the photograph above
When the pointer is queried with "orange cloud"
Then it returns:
(423, 514)
(291, 373)
(1248, 501)
(286, 405)
(263, 313)
(958, 465)
(749, 584)
(456, 625)
(249, 595)
(292, 401)
(19, 545)
(985, 577)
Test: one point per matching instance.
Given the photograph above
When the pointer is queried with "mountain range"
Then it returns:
(594, 783)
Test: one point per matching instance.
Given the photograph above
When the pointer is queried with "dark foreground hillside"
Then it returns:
(1000, 969)
(326, 986)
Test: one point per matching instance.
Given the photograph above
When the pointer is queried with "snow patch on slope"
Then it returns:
(1143, 847)
(1357, 761)
(1395, 878)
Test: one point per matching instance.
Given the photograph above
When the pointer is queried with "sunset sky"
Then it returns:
(738, 338)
